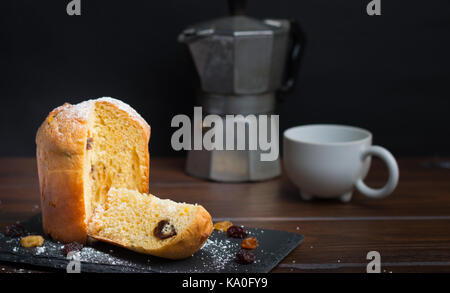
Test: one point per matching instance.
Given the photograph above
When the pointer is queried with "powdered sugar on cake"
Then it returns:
(78, 111)
(81, 110)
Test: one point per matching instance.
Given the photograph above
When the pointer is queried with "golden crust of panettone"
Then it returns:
(61, 150)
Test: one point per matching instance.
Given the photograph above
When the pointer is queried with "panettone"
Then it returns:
(82, 151)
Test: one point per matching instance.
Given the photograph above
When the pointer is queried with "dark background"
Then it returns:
(389, 73)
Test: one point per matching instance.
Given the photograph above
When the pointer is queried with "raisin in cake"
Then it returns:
(147, 224)
(82, 151)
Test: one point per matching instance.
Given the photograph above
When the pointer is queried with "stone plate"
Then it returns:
(218, 255)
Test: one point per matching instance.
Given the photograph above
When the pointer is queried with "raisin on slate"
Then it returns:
(72, 246)
(222, 226)
(249, 243)
(32, 241)
(15, 230)
(164, 230)
(89, 143)
(237, 232)
(245, 257)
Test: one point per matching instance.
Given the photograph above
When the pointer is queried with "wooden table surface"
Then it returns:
(410, 229)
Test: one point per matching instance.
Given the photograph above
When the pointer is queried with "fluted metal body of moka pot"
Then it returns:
(242, 63)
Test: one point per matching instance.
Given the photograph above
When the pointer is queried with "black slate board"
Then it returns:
(218, 255)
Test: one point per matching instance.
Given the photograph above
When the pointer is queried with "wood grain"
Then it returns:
(410, 229)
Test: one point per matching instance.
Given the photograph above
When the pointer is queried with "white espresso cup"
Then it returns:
(328, 161)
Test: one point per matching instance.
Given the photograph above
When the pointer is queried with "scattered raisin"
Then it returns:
(164, 230)
(89, 143)
(245, 257)
(249, 243)
(15, 230)
(236, 232)
(72, 246)
(32, 241)
(223, 226)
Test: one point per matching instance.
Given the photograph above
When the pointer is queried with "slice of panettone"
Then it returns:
(147, 224)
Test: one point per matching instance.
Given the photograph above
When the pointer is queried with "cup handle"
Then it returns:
(390, 162)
